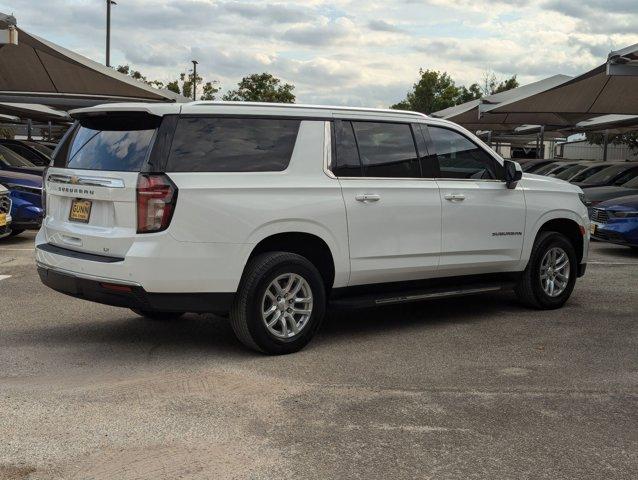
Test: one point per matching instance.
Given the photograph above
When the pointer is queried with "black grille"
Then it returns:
(599, 215)
(5, 204)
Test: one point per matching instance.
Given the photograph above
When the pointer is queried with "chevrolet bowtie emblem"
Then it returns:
(75, 180)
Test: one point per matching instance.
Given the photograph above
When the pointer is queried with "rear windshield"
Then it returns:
(113, 144)
(12, 159)
(209, 144)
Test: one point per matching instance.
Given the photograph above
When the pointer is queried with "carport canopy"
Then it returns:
(608, 89)
(468, 114)
(38, 71)
(38, 113)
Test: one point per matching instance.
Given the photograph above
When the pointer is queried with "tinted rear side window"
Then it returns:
(387, 150)
(232, 144)
(347, 163)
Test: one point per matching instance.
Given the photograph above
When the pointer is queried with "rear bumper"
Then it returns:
(133, 296)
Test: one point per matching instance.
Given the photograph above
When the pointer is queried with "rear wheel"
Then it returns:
(16, 232)
(280, 303)
(550, 276)
(156, 315)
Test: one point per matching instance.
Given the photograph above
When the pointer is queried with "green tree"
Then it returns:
(261, 87)
(209, 89)
(469, 94)
(628, 138)
(7, 132)
(507, 84)
(433, 92)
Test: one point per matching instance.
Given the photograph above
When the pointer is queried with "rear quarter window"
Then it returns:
(203, 144)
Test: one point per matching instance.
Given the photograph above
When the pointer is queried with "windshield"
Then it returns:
(633, 183)
(606, 174)
(570, 172)
(8, 157)
(543, 170)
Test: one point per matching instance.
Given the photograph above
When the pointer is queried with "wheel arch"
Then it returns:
(564, 222)
(307, 244)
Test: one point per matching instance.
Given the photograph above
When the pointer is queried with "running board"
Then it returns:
(392, 298)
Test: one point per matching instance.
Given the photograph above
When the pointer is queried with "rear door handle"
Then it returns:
(454, 197)
(367, 197)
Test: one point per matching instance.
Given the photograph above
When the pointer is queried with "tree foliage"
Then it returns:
(629, 138)
(436, 91)
(261, 87)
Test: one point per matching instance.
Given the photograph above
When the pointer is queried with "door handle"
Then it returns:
(367, 197)
(454, 197)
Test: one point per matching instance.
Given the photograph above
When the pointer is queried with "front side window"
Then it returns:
(459, 157)
(387, 150)
(232, 144)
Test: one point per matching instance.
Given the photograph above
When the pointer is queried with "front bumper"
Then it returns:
(620, 233)
(133, 296)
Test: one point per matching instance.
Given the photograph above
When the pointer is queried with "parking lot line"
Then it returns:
(16, 249)
(4, 277)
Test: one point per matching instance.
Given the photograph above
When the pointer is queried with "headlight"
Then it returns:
(618, 214)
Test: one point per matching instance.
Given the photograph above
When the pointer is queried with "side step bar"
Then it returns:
(392, 298)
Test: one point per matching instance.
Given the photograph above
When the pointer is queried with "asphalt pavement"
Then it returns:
(470, 388)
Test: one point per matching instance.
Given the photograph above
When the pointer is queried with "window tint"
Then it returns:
(347, 162)
(232, 144)
(588, 172)
(121, 150)
(387, 150)
(461, 158)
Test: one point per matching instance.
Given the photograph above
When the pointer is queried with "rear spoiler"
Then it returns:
(120, 109)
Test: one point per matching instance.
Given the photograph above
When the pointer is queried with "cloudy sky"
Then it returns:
(355, 52)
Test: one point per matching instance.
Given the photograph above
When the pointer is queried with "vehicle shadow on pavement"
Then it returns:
(423, 315)
(210, 333)
(611, 251)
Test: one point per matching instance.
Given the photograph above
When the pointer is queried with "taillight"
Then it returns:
(156, 198)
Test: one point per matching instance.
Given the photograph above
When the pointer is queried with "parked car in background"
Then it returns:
(26, 199)
(616, 174)
(616, 221)
(580, 167)
(5, 212)
(596, 195)
(552, 169)
(46, 149)
(532, 165)
(27, 151)
(11, 161)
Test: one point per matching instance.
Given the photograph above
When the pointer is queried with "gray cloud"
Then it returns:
(383, 26)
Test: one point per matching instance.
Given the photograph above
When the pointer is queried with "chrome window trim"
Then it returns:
(327, 149)
(86, 181)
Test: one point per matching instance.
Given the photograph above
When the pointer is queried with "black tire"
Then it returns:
(16, 232)
(156, 315)
(245, 314)
(529, 289)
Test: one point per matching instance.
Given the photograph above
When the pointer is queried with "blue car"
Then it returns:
(26, 197)
(616, 221)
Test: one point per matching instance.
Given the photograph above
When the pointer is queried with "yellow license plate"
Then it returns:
(592, 228)
(80, 211)
(3, 219)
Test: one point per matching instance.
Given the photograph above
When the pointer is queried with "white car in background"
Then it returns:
(270, 212)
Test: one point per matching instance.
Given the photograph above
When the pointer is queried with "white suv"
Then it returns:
(270, 212)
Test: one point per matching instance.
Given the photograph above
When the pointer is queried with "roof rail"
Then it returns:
(300, 105)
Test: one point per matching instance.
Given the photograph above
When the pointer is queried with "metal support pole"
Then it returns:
(108, 33)
(49, 132)
(194, 80)
(489, 138)
(542, 142)
(605, 145)
(29, 129)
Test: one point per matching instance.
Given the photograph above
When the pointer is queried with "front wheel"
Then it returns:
(550, 276)
(280, 303)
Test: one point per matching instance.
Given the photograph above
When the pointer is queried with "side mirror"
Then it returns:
(513, 173)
